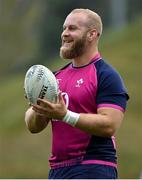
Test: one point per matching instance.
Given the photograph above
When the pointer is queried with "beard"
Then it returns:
(76, 49)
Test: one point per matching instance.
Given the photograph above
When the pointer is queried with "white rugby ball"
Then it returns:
(40, 82)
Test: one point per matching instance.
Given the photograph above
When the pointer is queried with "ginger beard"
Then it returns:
(74, 48)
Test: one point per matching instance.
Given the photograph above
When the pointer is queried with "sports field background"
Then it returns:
(25, 155)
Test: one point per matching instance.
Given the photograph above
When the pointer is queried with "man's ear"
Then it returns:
(92, 34)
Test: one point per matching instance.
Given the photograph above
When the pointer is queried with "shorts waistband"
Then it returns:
(73, 162)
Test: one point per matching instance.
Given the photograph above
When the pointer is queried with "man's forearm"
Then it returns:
(35, 123)
(103, 124)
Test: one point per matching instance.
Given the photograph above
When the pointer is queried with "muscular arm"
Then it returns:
(105, 123)
(34, 122)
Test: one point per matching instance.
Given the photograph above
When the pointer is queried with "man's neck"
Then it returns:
(85, 58)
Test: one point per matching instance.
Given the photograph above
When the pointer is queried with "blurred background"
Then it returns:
(30, 34)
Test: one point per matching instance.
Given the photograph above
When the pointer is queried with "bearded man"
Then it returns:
(90, 106)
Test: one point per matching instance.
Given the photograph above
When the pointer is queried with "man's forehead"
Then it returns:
(75, 19)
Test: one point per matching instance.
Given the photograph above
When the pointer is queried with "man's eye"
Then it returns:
(72, 28)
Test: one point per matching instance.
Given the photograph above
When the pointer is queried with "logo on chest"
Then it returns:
(79, 83)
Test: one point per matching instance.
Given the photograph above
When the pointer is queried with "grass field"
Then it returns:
(24, 155)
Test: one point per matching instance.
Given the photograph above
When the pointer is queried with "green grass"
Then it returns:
(12, 103)
(24, 155)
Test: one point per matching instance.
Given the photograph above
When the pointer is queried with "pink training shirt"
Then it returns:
(85, 89)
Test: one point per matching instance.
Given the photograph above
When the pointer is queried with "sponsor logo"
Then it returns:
(43, 91)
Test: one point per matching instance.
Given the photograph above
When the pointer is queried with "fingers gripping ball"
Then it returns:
(40, 82)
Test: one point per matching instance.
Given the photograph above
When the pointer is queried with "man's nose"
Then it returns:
(65, 32)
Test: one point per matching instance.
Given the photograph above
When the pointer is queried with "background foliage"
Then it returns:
(30, 34)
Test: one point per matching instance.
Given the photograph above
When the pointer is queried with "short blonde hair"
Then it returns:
(94, 20)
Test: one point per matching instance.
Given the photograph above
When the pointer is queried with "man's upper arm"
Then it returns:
(115, 117)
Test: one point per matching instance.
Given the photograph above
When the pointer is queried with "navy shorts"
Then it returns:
(84, 171)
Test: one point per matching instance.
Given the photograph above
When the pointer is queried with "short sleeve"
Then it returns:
(111, 91)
